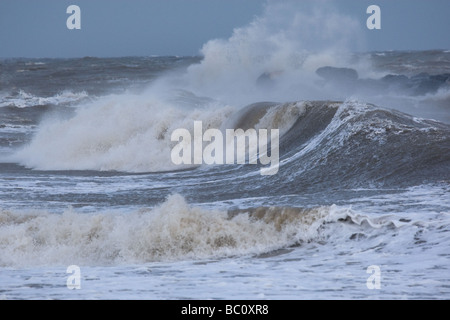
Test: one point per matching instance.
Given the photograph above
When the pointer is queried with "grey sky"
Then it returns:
(37, 28)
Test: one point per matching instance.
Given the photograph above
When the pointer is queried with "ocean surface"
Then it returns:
(86, 178)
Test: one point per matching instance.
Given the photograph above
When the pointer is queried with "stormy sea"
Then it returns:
(358, 209)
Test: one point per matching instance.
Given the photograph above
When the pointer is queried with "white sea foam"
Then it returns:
(132, 133)
(24, 99)
(334, 247)
(176, 231)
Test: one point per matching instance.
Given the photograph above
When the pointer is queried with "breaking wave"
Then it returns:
(322, 141)
(172, 231)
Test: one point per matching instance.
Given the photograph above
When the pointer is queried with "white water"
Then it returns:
(172, 231)
(25, 100)
(411, 249)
